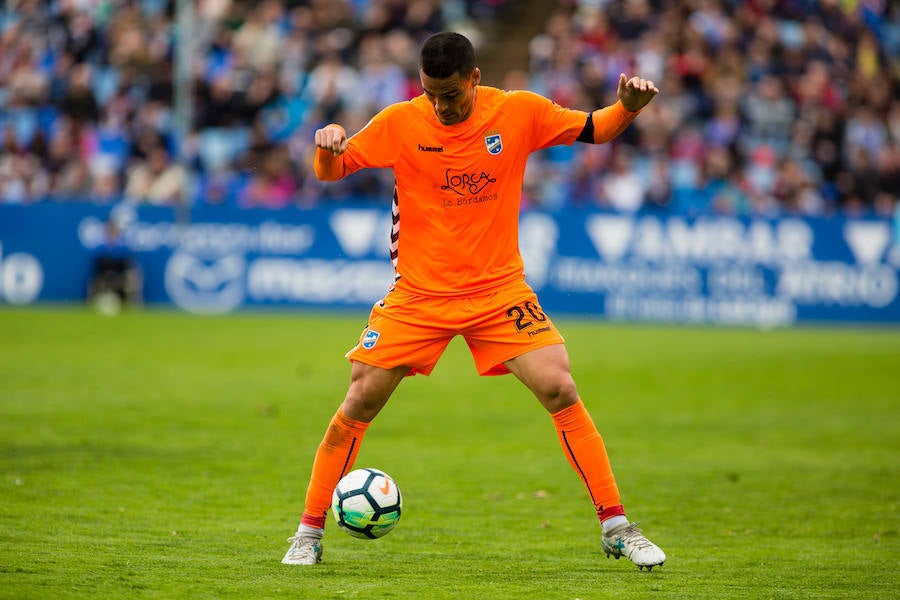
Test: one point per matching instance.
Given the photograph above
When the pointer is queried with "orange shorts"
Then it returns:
(406, 329)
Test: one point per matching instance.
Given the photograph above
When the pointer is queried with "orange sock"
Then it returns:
(334, 459)
(583, 447)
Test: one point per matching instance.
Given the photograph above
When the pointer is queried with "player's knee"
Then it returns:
(359, 407)
(364, 399)
(558, 393)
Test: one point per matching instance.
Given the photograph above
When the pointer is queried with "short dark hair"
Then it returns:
(446, 53)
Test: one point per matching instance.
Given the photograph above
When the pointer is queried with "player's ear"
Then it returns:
(476, 76)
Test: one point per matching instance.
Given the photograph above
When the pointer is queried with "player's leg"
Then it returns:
(370, 388)
(519, 337)
(545, 371)
(386, 343)
(512, 333)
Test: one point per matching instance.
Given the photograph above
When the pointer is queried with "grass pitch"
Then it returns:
(158, 455)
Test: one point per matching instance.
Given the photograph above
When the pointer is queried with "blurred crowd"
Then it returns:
(767, 106)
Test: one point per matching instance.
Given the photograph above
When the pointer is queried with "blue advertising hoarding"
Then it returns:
(644, 267)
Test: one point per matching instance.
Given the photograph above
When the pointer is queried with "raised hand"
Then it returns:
(635, 93)
(332, 138)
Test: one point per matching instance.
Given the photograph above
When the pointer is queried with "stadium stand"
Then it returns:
(767, 106)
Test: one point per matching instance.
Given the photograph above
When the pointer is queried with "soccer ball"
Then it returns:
(366, 503)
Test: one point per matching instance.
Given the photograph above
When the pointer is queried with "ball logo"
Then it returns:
(203, 285)
(370, 339)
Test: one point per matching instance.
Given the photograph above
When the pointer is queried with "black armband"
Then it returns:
(587, 134)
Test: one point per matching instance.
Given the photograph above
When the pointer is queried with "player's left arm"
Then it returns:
(606, 123)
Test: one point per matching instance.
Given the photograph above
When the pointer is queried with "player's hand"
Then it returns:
(635, 93)
(331, 138)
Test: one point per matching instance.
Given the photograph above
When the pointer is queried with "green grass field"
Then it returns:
(158, 455)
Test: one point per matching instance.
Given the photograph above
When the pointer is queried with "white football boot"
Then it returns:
(303, 551)
(627, 540)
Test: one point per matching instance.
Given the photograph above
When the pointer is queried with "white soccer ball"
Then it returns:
(366, 503)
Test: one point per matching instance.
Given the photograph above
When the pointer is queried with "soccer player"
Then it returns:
(458, 152)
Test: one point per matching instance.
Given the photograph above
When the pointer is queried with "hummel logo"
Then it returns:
(431, 148)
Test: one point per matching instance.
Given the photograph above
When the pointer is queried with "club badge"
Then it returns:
(370, 339)
(494, 143)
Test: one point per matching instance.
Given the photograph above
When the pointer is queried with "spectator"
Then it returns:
(622, 188)
(273, 184)
(106, 186)
(769, 114)
(155, 180)
(384, 81)
(257, 41)
(334, 86)
(72, 182)
(78, 101)
(717, 189)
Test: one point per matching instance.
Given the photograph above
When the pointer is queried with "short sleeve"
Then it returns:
(551, 123)
(376, 145)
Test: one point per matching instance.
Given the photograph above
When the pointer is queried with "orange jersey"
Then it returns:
(458, 187)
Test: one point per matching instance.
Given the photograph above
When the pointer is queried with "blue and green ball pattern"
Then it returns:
(366, 503)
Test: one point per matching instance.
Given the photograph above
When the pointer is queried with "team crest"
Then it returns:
(494, 143)
(370, 339)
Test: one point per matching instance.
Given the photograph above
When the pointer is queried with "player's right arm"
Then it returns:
(375, 145)
(331, 143)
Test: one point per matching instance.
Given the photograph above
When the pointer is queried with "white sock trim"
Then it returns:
(613, 522)
(310, 532)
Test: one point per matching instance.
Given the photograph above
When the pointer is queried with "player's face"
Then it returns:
(453, 98)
